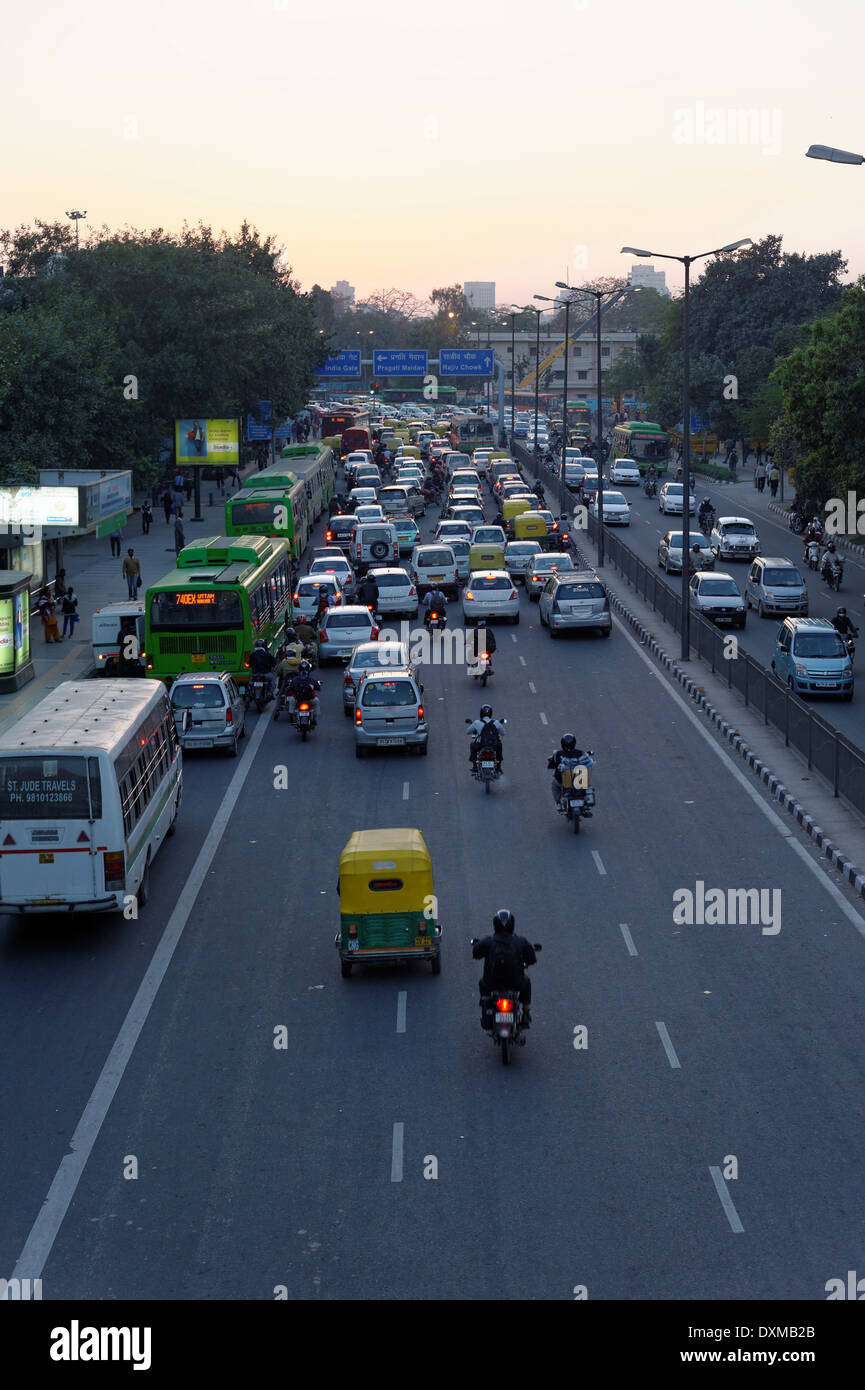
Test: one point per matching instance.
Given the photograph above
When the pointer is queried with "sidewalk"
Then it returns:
(95, 574)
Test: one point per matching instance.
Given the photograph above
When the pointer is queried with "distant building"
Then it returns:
(343, 294)
(647, 277)
(481, 294)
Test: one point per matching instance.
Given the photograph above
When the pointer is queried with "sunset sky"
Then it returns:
(414, 146)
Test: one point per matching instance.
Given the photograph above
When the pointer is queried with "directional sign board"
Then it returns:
(399, 362)
(465, 362)
(342, 364)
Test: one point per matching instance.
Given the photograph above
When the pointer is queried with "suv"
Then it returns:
(716, 596)
(434, 567)
(575, 600)
(776, 586)
(734, 538)
(209, 711)
(374, 543)
(389, 713)
(811, 658)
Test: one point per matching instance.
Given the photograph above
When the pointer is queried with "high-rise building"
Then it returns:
(647, 277)
(343, 293)
(481, 294)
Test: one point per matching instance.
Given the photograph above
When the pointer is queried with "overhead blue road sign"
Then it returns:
(399, 362)
(342, 364)
(466, 362)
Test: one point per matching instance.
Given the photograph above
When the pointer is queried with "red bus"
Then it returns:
(351, 425)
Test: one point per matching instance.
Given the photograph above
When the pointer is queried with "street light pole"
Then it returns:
(76, 217)
(513, 373)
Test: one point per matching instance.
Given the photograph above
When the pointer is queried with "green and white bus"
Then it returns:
(642, 443)
(312, 464)
(207, 614)
(271, 511)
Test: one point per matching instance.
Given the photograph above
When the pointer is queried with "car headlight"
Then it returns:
(800, 670)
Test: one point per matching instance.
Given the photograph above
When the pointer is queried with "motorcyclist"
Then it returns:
(488, 645)
(652, 478)
(707, 511)
(485, 732)
(505, 956)
(844, 624)
(292, 655)
(813, 532)
(261, 663)
(830, 559)
(301, 686)
(435, 602)
(369, 592)
(538, 490)
(569, 749)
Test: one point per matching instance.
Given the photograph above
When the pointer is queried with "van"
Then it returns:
(811, 658)
(434, 567)
(374, 543)
(209, 711)
(109, 622)
(389, 712)
(775, 585)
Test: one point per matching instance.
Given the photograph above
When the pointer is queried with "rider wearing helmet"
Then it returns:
(844, 624)
(706, 508)
(505, 957)
(292, 655)
(301, 686)
(486, 732)
(261, 663)
(435, 602)
(569, 749)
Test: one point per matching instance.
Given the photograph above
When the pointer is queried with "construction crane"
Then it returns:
(528, 383)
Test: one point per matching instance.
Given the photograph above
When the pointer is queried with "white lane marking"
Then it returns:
(400, 1011)
(629, 940)
(668, 1046)
(532, 687)
(522, 661)
(544, 719)
(405, 791)
(513, 637)
(396, 1152)
(726, 1200)
(786, 832)
(44, 1230)
(599, 863)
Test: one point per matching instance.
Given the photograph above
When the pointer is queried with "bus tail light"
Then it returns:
(246, 659)
(115, 869)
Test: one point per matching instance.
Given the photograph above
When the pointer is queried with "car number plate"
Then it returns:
(388, 742)
(353, 945)
(46, 859)
(423, 941)
(504, 1018)
(202, 742)
(436, 576)
(823, 684)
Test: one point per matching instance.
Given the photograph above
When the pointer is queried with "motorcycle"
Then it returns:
(487, 767)
(797, 523)
(812, 554)
(650, 487)
(258, 690)
(576, 797)
(706, 521)
(832, 570)
(483, 668)
(304, 719)
(435, 621)
(847, 639)
(505, 1014)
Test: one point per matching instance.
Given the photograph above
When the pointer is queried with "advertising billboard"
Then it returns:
(38, 506)
(214, 442)
(14, 632)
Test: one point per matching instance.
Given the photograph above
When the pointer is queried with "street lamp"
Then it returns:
(76, 217)
(687, 262)
(834, 156)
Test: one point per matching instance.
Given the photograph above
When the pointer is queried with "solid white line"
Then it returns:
(785, 831)
(629, 940)
(522, 661)
(400, 1011)
(668, 1046)
(599, 863)
(726, 1200)
(405, 791)
(513, 637)
(544, 719)
(396, 1153)
(532, 687)
(43, 1233)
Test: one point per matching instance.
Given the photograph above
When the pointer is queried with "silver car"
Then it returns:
(389, 712)
(371, 656)
(209, 711)
(670, 552)
(716, 596)
(518, 554)
(575, 601)
(341, 629)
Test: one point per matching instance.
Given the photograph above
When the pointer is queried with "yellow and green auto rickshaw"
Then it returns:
(528, 526)
(486, 555)
(387, 901)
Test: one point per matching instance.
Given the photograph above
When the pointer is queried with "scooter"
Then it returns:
(812, 554)
(304, 719)
(502, 1016)
(257, 690)
(706, 521)
(650, 487)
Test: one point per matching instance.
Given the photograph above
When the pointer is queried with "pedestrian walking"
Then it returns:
(760, 476)
(179, 536)
(178, 501)
(48, 614)
(235, 476)
(179, 480)
(733, 462)
(146, 516)
(116, 539)
(774, 479)
(166, 504)
(69, 609)
(759, 452)
(132, 573)
(219, 475)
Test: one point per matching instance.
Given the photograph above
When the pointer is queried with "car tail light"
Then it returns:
(115, 869)
(228, 718)
(322, 634)
(504, 1006)
(420, 713)
(375, 632)
(328, 535)
(411, 592)
(347, 680)
(358, 716)
(512, 596)
(295, 598)
(468, 594)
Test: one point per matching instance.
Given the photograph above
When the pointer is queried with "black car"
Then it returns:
(340, 531)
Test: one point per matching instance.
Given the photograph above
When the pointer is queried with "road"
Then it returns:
(261, 1167)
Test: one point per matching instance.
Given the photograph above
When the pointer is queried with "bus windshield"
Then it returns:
(50, 787)
(195, 609)
(649, 448)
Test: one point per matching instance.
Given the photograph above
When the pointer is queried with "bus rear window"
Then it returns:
(38, 787)
(195, 609)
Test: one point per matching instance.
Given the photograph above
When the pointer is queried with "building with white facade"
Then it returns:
(481, 294)
(648, 278)
(343, 292)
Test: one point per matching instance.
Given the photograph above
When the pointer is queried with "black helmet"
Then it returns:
(842, 613)
(486, 711)
(569, 742)
(504, 921)
(260, 642)
(291, 635)
(304, 667)
(830, 545)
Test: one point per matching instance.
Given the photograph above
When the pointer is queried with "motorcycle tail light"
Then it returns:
(306, 707)
(504, 1006)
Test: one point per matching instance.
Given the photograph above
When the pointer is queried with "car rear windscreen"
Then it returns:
(208, 694)
(570, 592)
(336, 619)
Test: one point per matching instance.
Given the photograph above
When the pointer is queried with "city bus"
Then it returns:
(580, 416)
(351, 425)
(90, 786)
(208, 613)
(473, 432)
(641, 442)
(313, 464)
(271, 511)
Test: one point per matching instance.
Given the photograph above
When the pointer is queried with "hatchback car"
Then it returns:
(490, 594)
(539, 569)
(811, 658)
(670, 552)
(434, 566)
(617, 511)
(589, 486)
(625, 473)
(338, 565)
(407, 533)
(474, 516)
(734, 538)
(671, 499)
(369, 512)
(399, 499)
(575, 600)
(341, 629)
(396, 592)
(518, 554)
(340, 531)
(488, 535)
(361, 497)
(367, 475)
(716, 596)
(389, 712)
(209, 711)
(451, 529)
(307, 596)
(371, 656)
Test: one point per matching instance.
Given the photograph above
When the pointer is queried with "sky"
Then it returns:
(413, 145)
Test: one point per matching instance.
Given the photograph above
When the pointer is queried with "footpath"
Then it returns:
(96, 576)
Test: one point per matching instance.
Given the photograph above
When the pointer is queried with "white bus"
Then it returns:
(90, 785)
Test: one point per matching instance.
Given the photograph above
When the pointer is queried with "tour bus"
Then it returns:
(271, 511)
(208, 613)
(642, 443)
(90, 785)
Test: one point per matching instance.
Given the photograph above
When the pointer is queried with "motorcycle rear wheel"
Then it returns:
(576, 819)
(506, 1050)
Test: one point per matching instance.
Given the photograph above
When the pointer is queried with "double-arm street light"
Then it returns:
(526, 308)
(687, 262)
(834, 156)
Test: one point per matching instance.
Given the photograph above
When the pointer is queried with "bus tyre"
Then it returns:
(144, 886)
(345, 968)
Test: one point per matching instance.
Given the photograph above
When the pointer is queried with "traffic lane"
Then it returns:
(328, 1139)
(66, 984)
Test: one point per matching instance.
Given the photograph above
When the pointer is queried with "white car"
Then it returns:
(369, 511)
(338, 565)
(624, 472)
(341, 629)
(671, 498)
(617, 512)
(434, 567)
(518, 554)
(396, 592)
(734, 538)
(453, 530)
(490, 594)
(307, 595)
(488, 535)
(480, 460)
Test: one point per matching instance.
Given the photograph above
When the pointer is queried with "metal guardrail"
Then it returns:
(828, 752)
